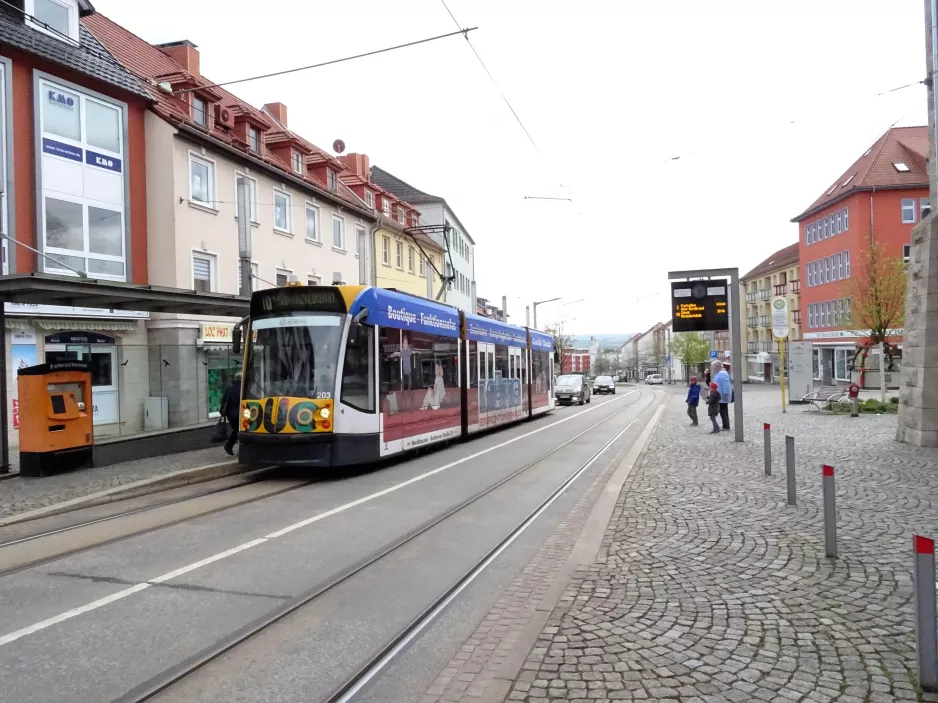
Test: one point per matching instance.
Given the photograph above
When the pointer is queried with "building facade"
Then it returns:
(575, 361)
(879, 199)
(448, 233)
(777, 276)
(73, 169)
(305, 223)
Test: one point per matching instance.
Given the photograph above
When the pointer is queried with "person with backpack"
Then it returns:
(230, 409)
(693, 399)
(713, 407)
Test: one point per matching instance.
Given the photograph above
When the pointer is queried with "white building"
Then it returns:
(460, 247)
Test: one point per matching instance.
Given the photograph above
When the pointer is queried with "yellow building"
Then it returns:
(777, 276)
(402, 257)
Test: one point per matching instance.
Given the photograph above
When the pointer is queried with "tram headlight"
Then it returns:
(324, 413)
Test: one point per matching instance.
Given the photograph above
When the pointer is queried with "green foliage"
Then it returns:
(690, 348)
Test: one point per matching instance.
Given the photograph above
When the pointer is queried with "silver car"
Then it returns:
(572, 388)
(654, 379)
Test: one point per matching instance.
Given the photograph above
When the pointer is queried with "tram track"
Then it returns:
(352, 685)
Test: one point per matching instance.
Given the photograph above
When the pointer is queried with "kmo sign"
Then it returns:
(780, 329)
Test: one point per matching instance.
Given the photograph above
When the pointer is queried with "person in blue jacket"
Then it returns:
(725, 388)
(693, 399)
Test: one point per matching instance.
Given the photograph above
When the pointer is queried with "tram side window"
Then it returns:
(473, 361)
(524, 367)
(435, 366)
(389, 349)
(501, 362)
(358, 373)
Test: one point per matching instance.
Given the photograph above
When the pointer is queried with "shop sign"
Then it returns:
(216, 333)
(66, 311)
(111, 163)
(850, 334)
(27, 336)
(79, 338)
(56, 148)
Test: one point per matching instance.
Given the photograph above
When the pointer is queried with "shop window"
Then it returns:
(103, 126)
(61, 112)
(841, 364)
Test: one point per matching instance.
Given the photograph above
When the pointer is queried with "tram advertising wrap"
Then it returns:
(699, 306)
(347, 375)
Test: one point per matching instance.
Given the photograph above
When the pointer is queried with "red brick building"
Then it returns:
(576, 361)
(880, 198)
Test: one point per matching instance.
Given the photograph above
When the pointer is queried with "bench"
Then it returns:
(824, 397)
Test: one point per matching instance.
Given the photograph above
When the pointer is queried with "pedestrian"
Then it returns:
(725, 389)
(230, 409)
(707, 378)
(713, 407)
(693, 399)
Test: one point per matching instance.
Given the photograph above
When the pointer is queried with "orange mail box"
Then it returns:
(55, 414)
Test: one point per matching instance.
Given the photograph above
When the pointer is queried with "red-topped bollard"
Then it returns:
(830, 512)
(926, 623)
(767, 433)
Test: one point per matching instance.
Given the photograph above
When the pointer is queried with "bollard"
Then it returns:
(790, 468)
(854, 407)
(767, 432)
(830, 512)
(926, 626)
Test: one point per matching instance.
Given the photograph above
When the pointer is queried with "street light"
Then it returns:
(541, 302)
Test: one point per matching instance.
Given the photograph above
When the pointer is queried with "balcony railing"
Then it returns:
(796, 316)
(768, 346)
(765, 321)
(721, 334)
(780, 289)
(751, 298)
(752, 321)
(765, 294)
(794, 286)
(753, 347)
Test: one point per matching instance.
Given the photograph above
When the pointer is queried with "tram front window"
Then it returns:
(295, 355)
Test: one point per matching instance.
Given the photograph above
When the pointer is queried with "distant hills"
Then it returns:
(606, 341)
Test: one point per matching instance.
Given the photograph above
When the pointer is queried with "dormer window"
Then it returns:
(331, 180)
(386, 207)
(369, 198)
(200, 111)
(254, 140)
(57, 18)
(401, 215)
(298, 162)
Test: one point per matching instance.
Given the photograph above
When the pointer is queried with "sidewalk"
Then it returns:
(708, 587)
(18, 495)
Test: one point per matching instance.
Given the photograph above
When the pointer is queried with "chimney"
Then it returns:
(184, 52)
(357, 164)
(278, 111)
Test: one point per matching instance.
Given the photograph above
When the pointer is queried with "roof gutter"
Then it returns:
(853, 191)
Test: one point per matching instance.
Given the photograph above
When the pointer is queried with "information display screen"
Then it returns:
(699, 306)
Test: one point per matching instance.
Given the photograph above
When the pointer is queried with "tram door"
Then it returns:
(486, 379)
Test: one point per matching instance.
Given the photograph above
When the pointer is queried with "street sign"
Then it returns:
(699, 306)
(713, 353)
(667, 358)
(780, 328)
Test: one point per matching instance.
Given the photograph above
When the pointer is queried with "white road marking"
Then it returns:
(94, 605)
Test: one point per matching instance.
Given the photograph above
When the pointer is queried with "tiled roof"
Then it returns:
(780, 259)
(876, 169)
(89, 57)
(148, 61)
(402, 189)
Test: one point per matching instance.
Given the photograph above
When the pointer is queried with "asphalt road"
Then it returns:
(101, 624)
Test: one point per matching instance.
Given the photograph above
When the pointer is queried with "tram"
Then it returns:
(348, 375)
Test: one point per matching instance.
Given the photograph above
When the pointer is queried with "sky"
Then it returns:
(686, 134)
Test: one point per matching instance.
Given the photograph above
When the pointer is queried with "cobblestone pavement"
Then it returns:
(19, 495)
(708, 587)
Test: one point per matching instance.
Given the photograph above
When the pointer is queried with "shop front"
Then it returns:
(220, 363)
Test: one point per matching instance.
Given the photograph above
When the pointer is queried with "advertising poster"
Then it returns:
(23, 355)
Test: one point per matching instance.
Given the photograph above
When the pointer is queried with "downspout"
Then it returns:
(374, 251)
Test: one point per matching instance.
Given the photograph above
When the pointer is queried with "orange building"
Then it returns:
(880, 198)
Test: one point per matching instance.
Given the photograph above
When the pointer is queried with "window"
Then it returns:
(283, 277)
(281, 211)
(386, 251)
(839, 222)
(807, 234)
(809, 274)
(846, 219)
(312, 223)
(297, 162)
(102, 126)
(200, 111)
(369, 198)
(841, 364)
(203, 273)
(924, 207)
(201, 181)
(906, 253)
(386, 207)
(57, 18)
(847, 182)
(401, 215)
(410, 259)
(901, 166)
(252, 195)
(360, 235)
(423, 266)
(399, 256)
(846, 264)
(313, 281)
(358, 370)
(908, 210)
(331, 180)
(254, 140)
(839, 264)
(338, 233)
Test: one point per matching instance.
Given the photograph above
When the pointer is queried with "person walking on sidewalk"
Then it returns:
(722, 380)
(693, 399)
(713, 407)
(230, 410)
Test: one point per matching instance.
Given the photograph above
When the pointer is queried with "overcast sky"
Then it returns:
(764, 103)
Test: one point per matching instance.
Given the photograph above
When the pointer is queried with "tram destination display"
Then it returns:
(699, 306)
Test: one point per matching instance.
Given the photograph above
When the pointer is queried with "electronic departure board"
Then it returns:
(699, 306)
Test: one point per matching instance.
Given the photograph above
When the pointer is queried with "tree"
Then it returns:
(562, 340)
(690, 348)
(876, 302)
(605, 365)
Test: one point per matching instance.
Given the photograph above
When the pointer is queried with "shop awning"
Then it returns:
(86, 325)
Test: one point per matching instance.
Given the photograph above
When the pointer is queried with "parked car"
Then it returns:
(615, 379)
(572, 388)
(604, 384)
(654, 379)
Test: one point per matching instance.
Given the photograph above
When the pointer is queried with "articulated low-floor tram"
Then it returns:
(349, 375)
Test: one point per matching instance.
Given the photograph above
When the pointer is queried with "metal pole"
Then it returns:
(4, 429)
(882, 372)
(527, 315)
(535, 322)
(926, 623)
(781, 345)
(244, 236)
(790, 468)
(830, 512)
(767, 436)
(504, 308)
(735, 316)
